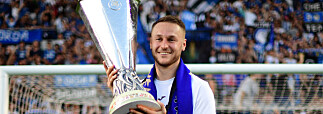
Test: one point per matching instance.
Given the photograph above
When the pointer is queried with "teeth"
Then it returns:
(164, 53)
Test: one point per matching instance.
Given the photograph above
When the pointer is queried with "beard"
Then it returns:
(167, 63)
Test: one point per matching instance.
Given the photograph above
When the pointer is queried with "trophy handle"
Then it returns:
(127, 80)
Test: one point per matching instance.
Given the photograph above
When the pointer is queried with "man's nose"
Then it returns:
(164, 44)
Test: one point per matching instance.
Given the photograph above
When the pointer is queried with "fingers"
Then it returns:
(110, 74)
(133, 111)
(149, 110)
(105, 66)
(163, 109)
(145, 109)
(108, 70)
(160, 103)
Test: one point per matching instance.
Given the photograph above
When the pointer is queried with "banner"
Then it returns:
(265, 37)
(225, 41)
(314, 6)
(261, 35)
(262, 24)
(75, 81)
(226, 47)
(69, 94)
(226, 57)
(313, 16)
(16, 36)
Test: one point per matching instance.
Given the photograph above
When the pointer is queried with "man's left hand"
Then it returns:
(149, 110)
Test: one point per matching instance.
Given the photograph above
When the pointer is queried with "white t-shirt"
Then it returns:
(251, 88)
(271, 59)
(238, 4)
(250, 17)
(163, 90)
(290, 60)
(203, 98)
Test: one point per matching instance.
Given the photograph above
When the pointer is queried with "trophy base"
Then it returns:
(123, 102)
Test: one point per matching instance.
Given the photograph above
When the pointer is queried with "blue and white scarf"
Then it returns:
(182, 100)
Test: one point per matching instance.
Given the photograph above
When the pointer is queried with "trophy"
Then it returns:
(112, 25)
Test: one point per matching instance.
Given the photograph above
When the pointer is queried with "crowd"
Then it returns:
(268, 93)
(291, 42)
(71, 44)
(66, 40)
(44, 94)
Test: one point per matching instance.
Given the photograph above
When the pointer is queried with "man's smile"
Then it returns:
(164, 53)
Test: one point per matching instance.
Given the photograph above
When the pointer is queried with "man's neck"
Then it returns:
(168, 72)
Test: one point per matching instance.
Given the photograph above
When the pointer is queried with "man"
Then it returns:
(248, 91)
(170, 81)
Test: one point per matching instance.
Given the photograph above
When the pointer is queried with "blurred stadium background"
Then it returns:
(50, 32)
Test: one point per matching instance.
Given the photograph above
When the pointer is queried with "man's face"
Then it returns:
(167, 42)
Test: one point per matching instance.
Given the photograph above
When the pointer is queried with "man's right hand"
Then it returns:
(111, 74)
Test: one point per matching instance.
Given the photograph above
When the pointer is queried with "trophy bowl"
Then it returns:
(122, 103)
(112, 25)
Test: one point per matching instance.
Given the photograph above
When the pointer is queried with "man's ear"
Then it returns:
(150, 44)
(184, 45)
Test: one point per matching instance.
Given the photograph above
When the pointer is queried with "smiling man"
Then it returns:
(171, 83)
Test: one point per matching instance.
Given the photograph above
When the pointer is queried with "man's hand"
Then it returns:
(149, 110)
(111, 74)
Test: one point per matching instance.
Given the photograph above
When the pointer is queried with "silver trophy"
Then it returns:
(112, 25)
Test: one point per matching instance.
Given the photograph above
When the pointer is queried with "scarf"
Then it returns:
(182, 100)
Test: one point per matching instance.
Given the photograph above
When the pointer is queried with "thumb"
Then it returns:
(163, 109)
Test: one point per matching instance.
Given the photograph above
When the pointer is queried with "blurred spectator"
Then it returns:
(15, 9)
(267, 105)
(49, 54)
(21, 52)
(282, 91)
(57, 49)
(59, 59)
(229, 86)
(23, 22)
(209, 78)
(35, 50)
(290, 58)
(3, 23)
(212, 58)
(310, 87)
(60, 22)
(10, 55)
(11, 22)
(271, 57)
(60, 40)
(248, 91)
(239, 4)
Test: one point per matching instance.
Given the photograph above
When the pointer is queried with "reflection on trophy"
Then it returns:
(112, 25)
